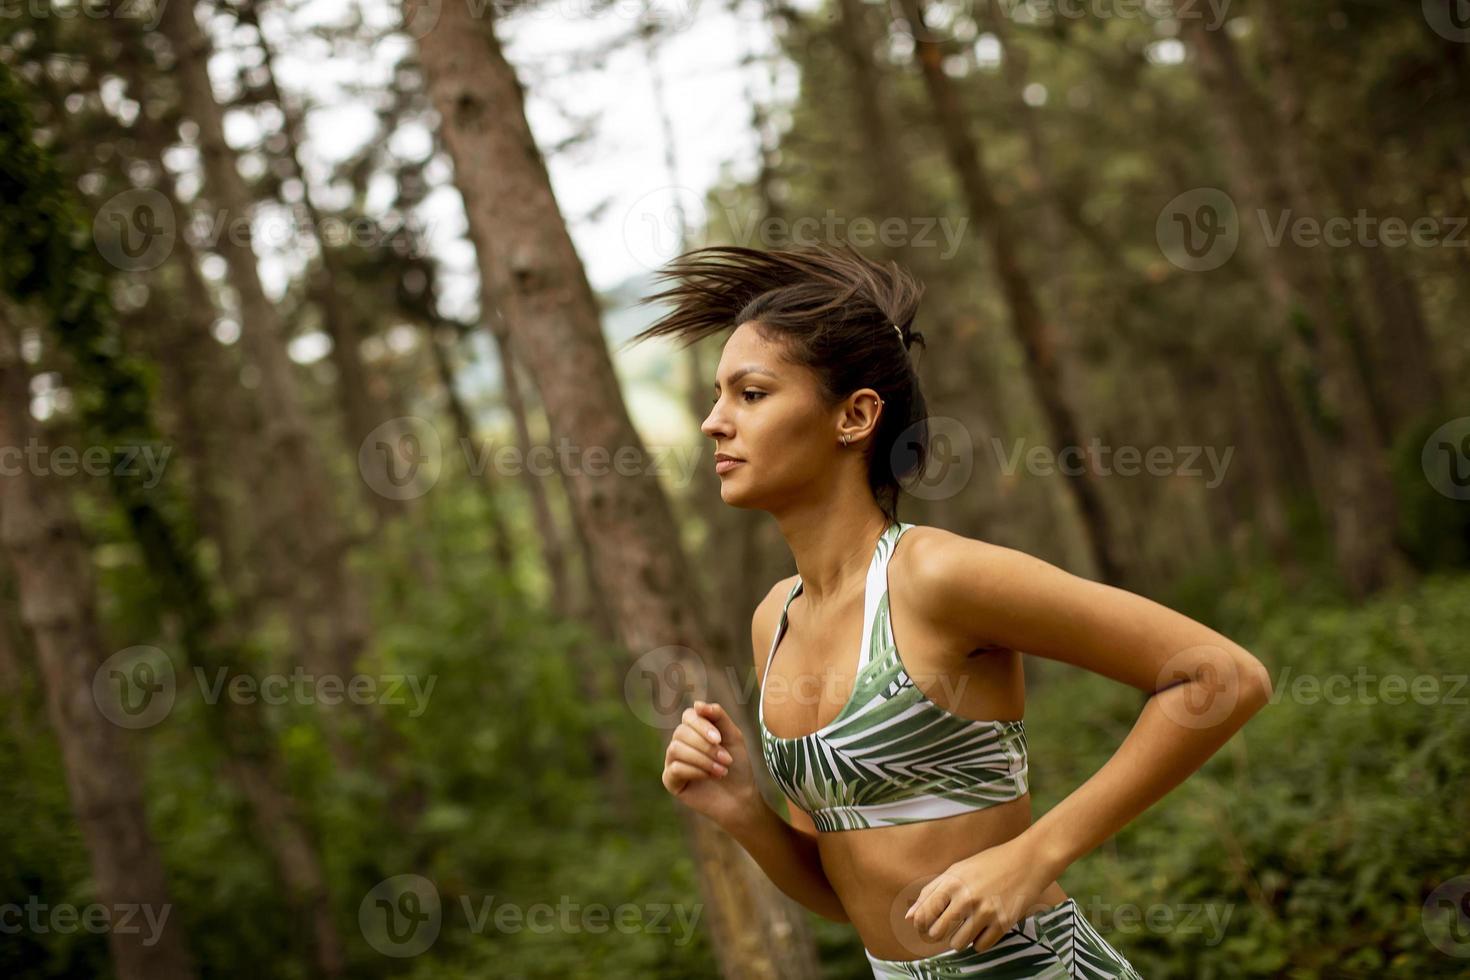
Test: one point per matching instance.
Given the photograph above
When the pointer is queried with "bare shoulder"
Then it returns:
(989, 595)
(763, 622)
(952, 581)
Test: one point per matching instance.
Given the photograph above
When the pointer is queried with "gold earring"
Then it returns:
(844, 438)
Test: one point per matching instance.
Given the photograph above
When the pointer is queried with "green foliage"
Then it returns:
(1315, 836)
(42, 857)
(1433, 529)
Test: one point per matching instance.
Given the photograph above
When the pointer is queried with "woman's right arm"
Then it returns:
(709, 770)
(789, 858)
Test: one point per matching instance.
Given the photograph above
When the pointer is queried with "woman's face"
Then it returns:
(768, 413)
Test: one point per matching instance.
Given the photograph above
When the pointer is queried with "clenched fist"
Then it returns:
(707, 767)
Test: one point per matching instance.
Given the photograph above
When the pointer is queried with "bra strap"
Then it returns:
(876, 587)
(775, 640)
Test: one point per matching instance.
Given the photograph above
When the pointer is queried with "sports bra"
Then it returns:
(891, 756)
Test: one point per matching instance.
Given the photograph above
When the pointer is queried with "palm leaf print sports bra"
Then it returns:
(891, 756)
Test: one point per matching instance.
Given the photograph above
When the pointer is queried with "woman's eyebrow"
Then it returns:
(739, 373)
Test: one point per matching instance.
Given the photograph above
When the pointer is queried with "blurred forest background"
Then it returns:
(300, 668)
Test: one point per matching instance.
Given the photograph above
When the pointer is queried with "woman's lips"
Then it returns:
(725, 465)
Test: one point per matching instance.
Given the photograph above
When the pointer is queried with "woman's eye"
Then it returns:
(747, 392)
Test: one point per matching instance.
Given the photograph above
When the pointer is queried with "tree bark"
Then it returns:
(888, 178)
(360, 411)
(83, 325)
(441, 338)
(1032, 331)
(198, 375)
(1344, 443)
(532, 275)
(327, 589)
(54, 580)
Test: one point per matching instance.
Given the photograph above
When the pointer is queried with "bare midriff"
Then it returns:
(879, 871)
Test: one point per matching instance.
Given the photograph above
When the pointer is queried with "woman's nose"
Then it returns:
(713, 424)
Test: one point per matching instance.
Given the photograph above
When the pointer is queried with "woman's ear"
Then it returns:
(860, 414)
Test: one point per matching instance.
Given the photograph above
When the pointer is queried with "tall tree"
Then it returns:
(361, 413)
(1345, 444)
(329, 595)
(52, 566)
(531, 273)
(46, 259)
(1033, 332)
(1402, 378)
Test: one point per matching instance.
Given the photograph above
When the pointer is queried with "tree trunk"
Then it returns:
(887, 170)
(329, 609)
(360, 412)
(1345, 446)
(326, 587)
(532, 275)
(607, 762)
(1401, 345)
(1032, 331)
(54, 581)
(1399, 374)
(440, 348)
(84, 327)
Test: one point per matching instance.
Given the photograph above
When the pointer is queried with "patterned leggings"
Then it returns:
(1054, 944)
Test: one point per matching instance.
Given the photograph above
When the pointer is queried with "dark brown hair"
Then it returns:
(836, 311)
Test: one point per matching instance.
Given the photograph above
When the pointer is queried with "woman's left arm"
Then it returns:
(1202, 688)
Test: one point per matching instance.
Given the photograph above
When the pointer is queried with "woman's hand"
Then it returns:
(707, 766)
(976, 900)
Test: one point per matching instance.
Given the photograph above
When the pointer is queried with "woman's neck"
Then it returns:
(832, 547)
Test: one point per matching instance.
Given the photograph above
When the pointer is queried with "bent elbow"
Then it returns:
(1255, 682)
